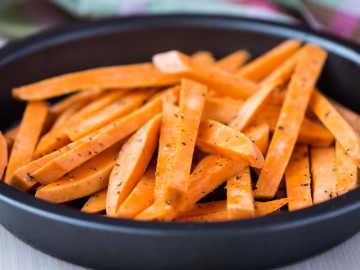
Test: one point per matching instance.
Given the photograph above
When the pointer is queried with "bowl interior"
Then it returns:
(115, 42)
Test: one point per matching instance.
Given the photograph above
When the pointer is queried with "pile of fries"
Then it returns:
(149, 141)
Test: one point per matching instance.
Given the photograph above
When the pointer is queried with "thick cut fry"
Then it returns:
(96, 203)
(259, 134)
(50, 142)
(351, 117)
(310, 133)
(277, 97)
(22, 178)
(211, 217)
(131, 164)
(225, 82)
(210, 173)
(216, 211)
(27, 137)
(283, 72)
(297, 177)
(218, 139)
(240, 199)
(107, 115)
(225, 109)
(3, 155)
(266, 208)
(201, 209)
(64, 117)
(323, 174)
(347, 171)
(56, 138)
(266, 63)
(166, 146)
(337, 125)
(10, 137)
(272, 84)
(252, 106)
(203, 58)
(87, 95)
(233, 61)
(291, 117)
(95, 106)
(129, 76)
(106, 137)
(222, 109)
(141, 197)
(90, 177)
(158, 211)
(191, 104)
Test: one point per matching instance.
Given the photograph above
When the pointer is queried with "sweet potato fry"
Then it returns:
(50, 142)
(110, 113)
(129, 76)
(191, 104)
(177, 63)
(240, 199)
(216, 138)
(337, 125)
(10, 137)
(221, 109)
(347, 171)
(291, 117)
(310, 132)
(90, 177)
(203, 58)
(22, 178)
(158, 211)
(201, 209)
(283, 71)
(216, 211)
(210, 173)
(166, 145)
(64, 117)
(266, 63)
(211, 217)
(106, 137)
(252, 106)
(225, 109)
(351, 117)
(233, 61)
(56, 138)
(96, 105)
(297, 177)
(27, 137)
(96, 203)
(76, 120)
(323, 174)
(259, 134)
(141, 197)
(87, 95)
(272, 84)
(266, 208)
(3, 155)
(131, 164)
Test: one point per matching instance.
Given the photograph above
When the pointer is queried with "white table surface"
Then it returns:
(15, 255)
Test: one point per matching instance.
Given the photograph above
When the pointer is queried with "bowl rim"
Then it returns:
(318, 213)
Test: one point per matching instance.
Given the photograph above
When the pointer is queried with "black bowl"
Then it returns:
(99, 242)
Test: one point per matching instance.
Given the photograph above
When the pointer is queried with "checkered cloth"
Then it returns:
(22, 17)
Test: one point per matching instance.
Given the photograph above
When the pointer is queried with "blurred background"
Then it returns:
(19, 18)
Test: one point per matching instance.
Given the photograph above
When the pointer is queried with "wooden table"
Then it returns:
(15, 255)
